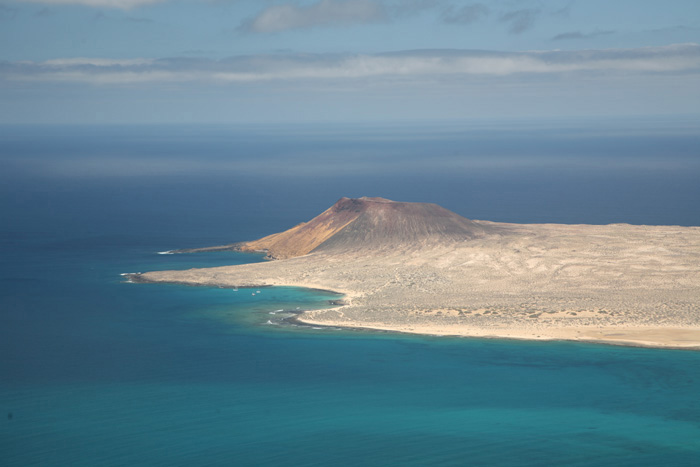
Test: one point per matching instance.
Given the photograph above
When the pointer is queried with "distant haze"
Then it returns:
(204, 178)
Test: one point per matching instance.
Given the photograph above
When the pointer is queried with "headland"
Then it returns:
(419, 268)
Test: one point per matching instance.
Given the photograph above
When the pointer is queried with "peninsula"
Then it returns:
(420, 268)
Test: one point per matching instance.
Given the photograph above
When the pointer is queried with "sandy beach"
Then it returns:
(619, 284)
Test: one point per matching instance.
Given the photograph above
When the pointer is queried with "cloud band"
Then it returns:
(680, 58)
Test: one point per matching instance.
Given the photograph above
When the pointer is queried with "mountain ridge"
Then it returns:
(364, 224)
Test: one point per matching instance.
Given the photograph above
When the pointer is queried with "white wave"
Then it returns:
(129, 276)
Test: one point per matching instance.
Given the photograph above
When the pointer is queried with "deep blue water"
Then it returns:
(95, 371)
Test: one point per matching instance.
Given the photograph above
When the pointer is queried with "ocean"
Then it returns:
(98, 371)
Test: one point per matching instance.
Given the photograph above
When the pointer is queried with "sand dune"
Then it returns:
(415, 267)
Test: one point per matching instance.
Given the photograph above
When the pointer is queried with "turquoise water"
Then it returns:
(96, 371)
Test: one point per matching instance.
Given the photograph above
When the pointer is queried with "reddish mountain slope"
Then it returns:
(366, 224)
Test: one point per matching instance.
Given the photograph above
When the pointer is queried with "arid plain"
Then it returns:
(419, 268)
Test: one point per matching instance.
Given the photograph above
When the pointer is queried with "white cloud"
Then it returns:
(122, 4)
(467, 14)
(101, 62)
(581, 35)
(413, 7)
(520, 20)
(406, 65)
(323, 13)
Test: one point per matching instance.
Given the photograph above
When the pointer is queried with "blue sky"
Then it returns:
(188, 61)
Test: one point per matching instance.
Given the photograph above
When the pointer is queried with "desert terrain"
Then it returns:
(419, 268)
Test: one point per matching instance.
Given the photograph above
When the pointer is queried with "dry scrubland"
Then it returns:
(418, 268)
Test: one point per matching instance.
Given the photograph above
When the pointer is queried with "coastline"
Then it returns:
(615, 284)
(626, 336)
(671, 338)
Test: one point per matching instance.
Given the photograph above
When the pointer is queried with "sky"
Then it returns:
(281, 61)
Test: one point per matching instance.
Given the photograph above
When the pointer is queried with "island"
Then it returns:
(420, 268)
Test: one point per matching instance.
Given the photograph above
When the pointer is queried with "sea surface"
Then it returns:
(98, 371)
